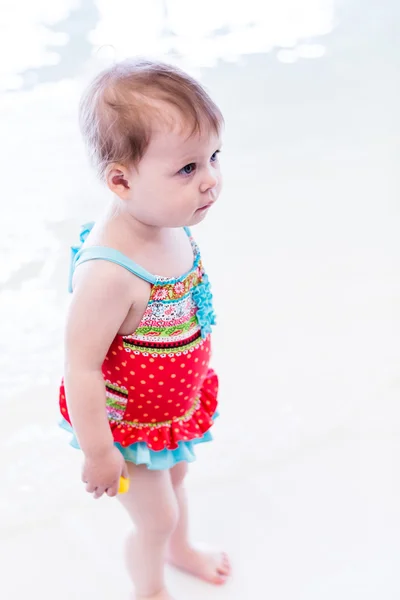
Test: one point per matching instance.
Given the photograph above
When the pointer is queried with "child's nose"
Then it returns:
(210, 180)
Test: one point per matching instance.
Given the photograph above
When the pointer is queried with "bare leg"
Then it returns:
(212, 567)
(152, 506)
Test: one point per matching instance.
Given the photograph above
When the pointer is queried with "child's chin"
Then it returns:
(198, 216)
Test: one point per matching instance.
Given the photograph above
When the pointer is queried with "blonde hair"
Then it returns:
(118, 109)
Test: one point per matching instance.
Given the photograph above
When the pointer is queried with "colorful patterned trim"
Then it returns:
(114, 403)
(115, 415)
(163, 348)
(166, 331)
(115, 388)
(165, 342)
(162, 315)
(186, 417)
(175, 290)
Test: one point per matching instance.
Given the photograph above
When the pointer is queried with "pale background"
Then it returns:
(302, 483)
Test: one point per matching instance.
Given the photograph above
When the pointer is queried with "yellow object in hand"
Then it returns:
(123, 485)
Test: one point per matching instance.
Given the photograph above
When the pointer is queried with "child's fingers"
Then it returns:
(112, 491)
(90, 488)
(98, 492)
(125, 472)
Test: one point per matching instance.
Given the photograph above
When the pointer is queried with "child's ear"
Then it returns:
(118, 180)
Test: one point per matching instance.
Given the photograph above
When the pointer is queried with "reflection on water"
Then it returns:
(61, 36)
(217, 30)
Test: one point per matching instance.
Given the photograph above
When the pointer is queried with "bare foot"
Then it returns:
(212, 567)
(160, 596)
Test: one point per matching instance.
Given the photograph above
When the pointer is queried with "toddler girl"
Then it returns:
(138, 393)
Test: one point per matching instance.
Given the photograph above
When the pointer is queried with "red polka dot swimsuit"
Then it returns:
(161, 395)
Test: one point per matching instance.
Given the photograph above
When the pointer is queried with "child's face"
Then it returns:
(177, 180)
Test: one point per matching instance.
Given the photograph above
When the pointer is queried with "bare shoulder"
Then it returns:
(107, 300)
(101, 275)
(110, 284)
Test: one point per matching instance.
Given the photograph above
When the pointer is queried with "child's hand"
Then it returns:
(102, 472)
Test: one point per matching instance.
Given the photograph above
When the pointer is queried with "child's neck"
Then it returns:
(127, 227)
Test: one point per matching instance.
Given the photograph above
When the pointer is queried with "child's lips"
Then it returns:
(206, 206)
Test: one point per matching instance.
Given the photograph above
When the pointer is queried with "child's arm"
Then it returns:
(101, 301)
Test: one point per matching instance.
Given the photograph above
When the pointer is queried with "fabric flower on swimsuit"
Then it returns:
(83, 235)
(85, 230)
(203, 298)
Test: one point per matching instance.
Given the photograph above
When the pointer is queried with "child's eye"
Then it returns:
(214, 157)
(188, 169)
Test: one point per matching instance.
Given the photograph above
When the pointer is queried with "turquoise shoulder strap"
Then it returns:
(80, 256)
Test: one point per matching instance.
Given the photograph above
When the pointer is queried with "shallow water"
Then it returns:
(304, 257)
